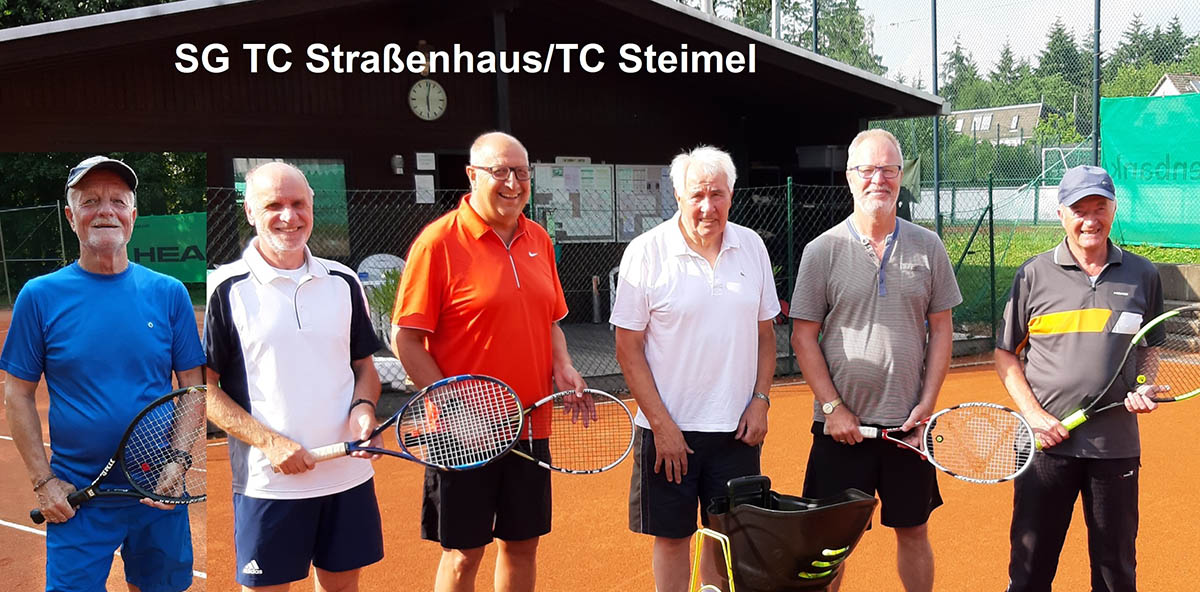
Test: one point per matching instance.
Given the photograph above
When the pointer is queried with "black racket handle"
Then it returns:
(74, 499)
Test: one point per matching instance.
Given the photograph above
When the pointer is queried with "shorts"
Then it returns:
(156, 546)
(659, 507)
(508, 499)
(277, 539)
(905, 483)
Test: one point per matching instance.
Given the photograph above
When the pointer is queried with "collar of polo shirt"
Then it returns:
(265, 274)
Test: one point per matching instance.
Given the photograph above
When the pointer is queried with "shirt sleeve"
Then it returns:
(24, 354)
(186, 351)
(1013, 332)
(808, 296)
(768, 301)
(946, 294)
(218, 330)
(363, 341)
(559, 310)
(631, 309)
(419, 301)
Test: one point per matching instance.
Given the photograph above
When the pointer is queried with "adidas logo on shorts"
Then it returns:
(252, 569)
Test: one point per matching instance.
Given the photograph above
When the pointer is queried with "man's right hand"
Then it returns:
(842, 426)
(671, 452)
(52, 500)
(288, 456)
(1047, 429)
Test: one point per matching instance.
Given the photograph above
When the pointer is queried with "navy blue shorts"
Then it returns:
(277, 540)
(661, 508)
(156, 546)
(905, 482)
(508, 500)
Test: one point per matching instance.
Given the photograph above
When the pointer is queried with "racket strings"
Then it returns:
(164, 455)
(590, 433)
(463, 423)
(1173, 356)
(982, 443)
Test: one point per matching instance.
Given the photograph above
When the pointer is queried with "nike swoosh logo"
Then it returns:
(533, 254)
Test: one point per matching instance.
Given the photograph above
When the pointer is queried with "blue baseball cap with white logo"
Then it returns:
(1085, 181)
(102, 163)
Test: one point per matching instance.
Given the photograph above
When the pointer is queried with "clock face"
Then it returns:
(427, 99)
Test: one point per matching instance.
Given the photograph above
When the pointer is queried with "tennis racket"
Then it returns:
(457, 423)
(588, 434)
(975, 442)
(1167, 355)
(161, 454)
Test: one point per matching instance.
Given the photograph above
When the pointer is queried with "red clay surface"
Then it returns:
(23, 544)
(591, 547)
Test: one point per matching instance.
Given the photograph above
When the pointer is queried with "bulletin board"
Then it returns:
(579, 200)
(644, 198)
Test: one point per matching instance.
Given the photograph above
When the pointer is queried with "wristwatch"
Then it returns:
(763, 396)
(827, 408)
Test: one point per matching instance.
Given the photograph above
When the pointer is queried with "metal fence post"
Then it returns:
(992, 257)
(4, 260)
(791, 273)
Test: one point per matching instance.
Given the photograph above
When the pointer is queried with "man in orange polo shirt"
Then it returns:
(480, 295)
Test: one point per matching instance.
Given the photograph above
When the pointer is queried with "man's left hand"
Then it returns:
(920, 412)
(752, 427)
(1139, 400)
(569, 379)
(362, 423)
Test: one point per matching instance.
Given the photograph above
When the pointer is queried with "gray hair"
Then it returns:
(253, 174)
(874, 133)
(482, 144)
(710, 160)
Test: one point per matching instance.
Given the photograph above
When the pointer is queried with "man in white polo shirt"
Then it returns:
(693, 316)
(289, 346)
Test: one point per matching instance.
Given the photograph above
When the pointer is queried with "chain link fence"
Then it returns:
(31, 244)
(590, 237)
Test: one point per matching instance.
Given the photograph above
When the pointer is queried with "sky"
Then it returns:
(902, 27)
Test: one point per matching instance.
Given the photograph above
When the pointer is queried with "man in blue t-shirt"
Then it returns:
(107, 334)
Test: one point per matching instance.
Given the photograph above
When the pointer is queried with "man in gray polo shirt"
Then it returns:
(879, 289)
(1071, 314)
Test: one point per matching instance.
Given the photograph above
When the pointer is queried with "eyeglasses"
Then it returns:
(866, 171)
(500, 173)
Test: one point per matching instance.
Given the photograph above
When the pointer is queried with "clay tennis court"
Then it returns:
(591, 547)
(23, 544)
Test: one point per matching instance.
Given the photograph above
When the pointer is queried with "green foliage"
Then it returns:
(168, 182)
(1057, 129)
(15, 13)
(382, 298)
(1063, 57)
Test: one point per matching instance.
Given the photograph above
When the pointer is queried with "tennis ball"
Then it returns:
(1141, 379)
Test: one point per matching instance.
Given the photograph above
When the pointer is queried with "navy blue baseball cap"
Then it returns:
(102, 163)
(1085, 181)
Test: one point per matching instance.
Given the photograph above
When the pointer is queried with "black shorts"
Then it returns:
(661, 508)
(508, 500)
(906, 483)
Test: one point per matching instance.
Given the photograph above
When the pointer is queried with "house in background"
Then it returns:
(1010, 125)
(1176, 84)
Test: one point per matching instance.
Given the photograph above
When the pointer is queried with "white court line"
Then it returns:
(9, 438)
(23, 528)
(221, 443)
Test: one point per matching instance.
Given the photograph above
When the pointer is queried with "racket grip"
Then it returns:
(1073, 420)
(868, 431)
(74, 499)
(330, 452)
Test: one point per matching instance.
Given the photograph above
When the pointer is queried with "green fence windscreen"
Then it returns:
(174, 245)
(1151, 147)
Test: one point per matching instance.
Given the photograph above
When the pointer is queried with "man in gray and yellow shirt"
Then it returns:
(1071, 314)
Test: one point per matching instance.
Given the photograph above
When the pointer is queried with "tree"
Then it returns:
(1062, 57)
(1057, 129)
(15, 13)
(961, 84)
(1005, 72)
